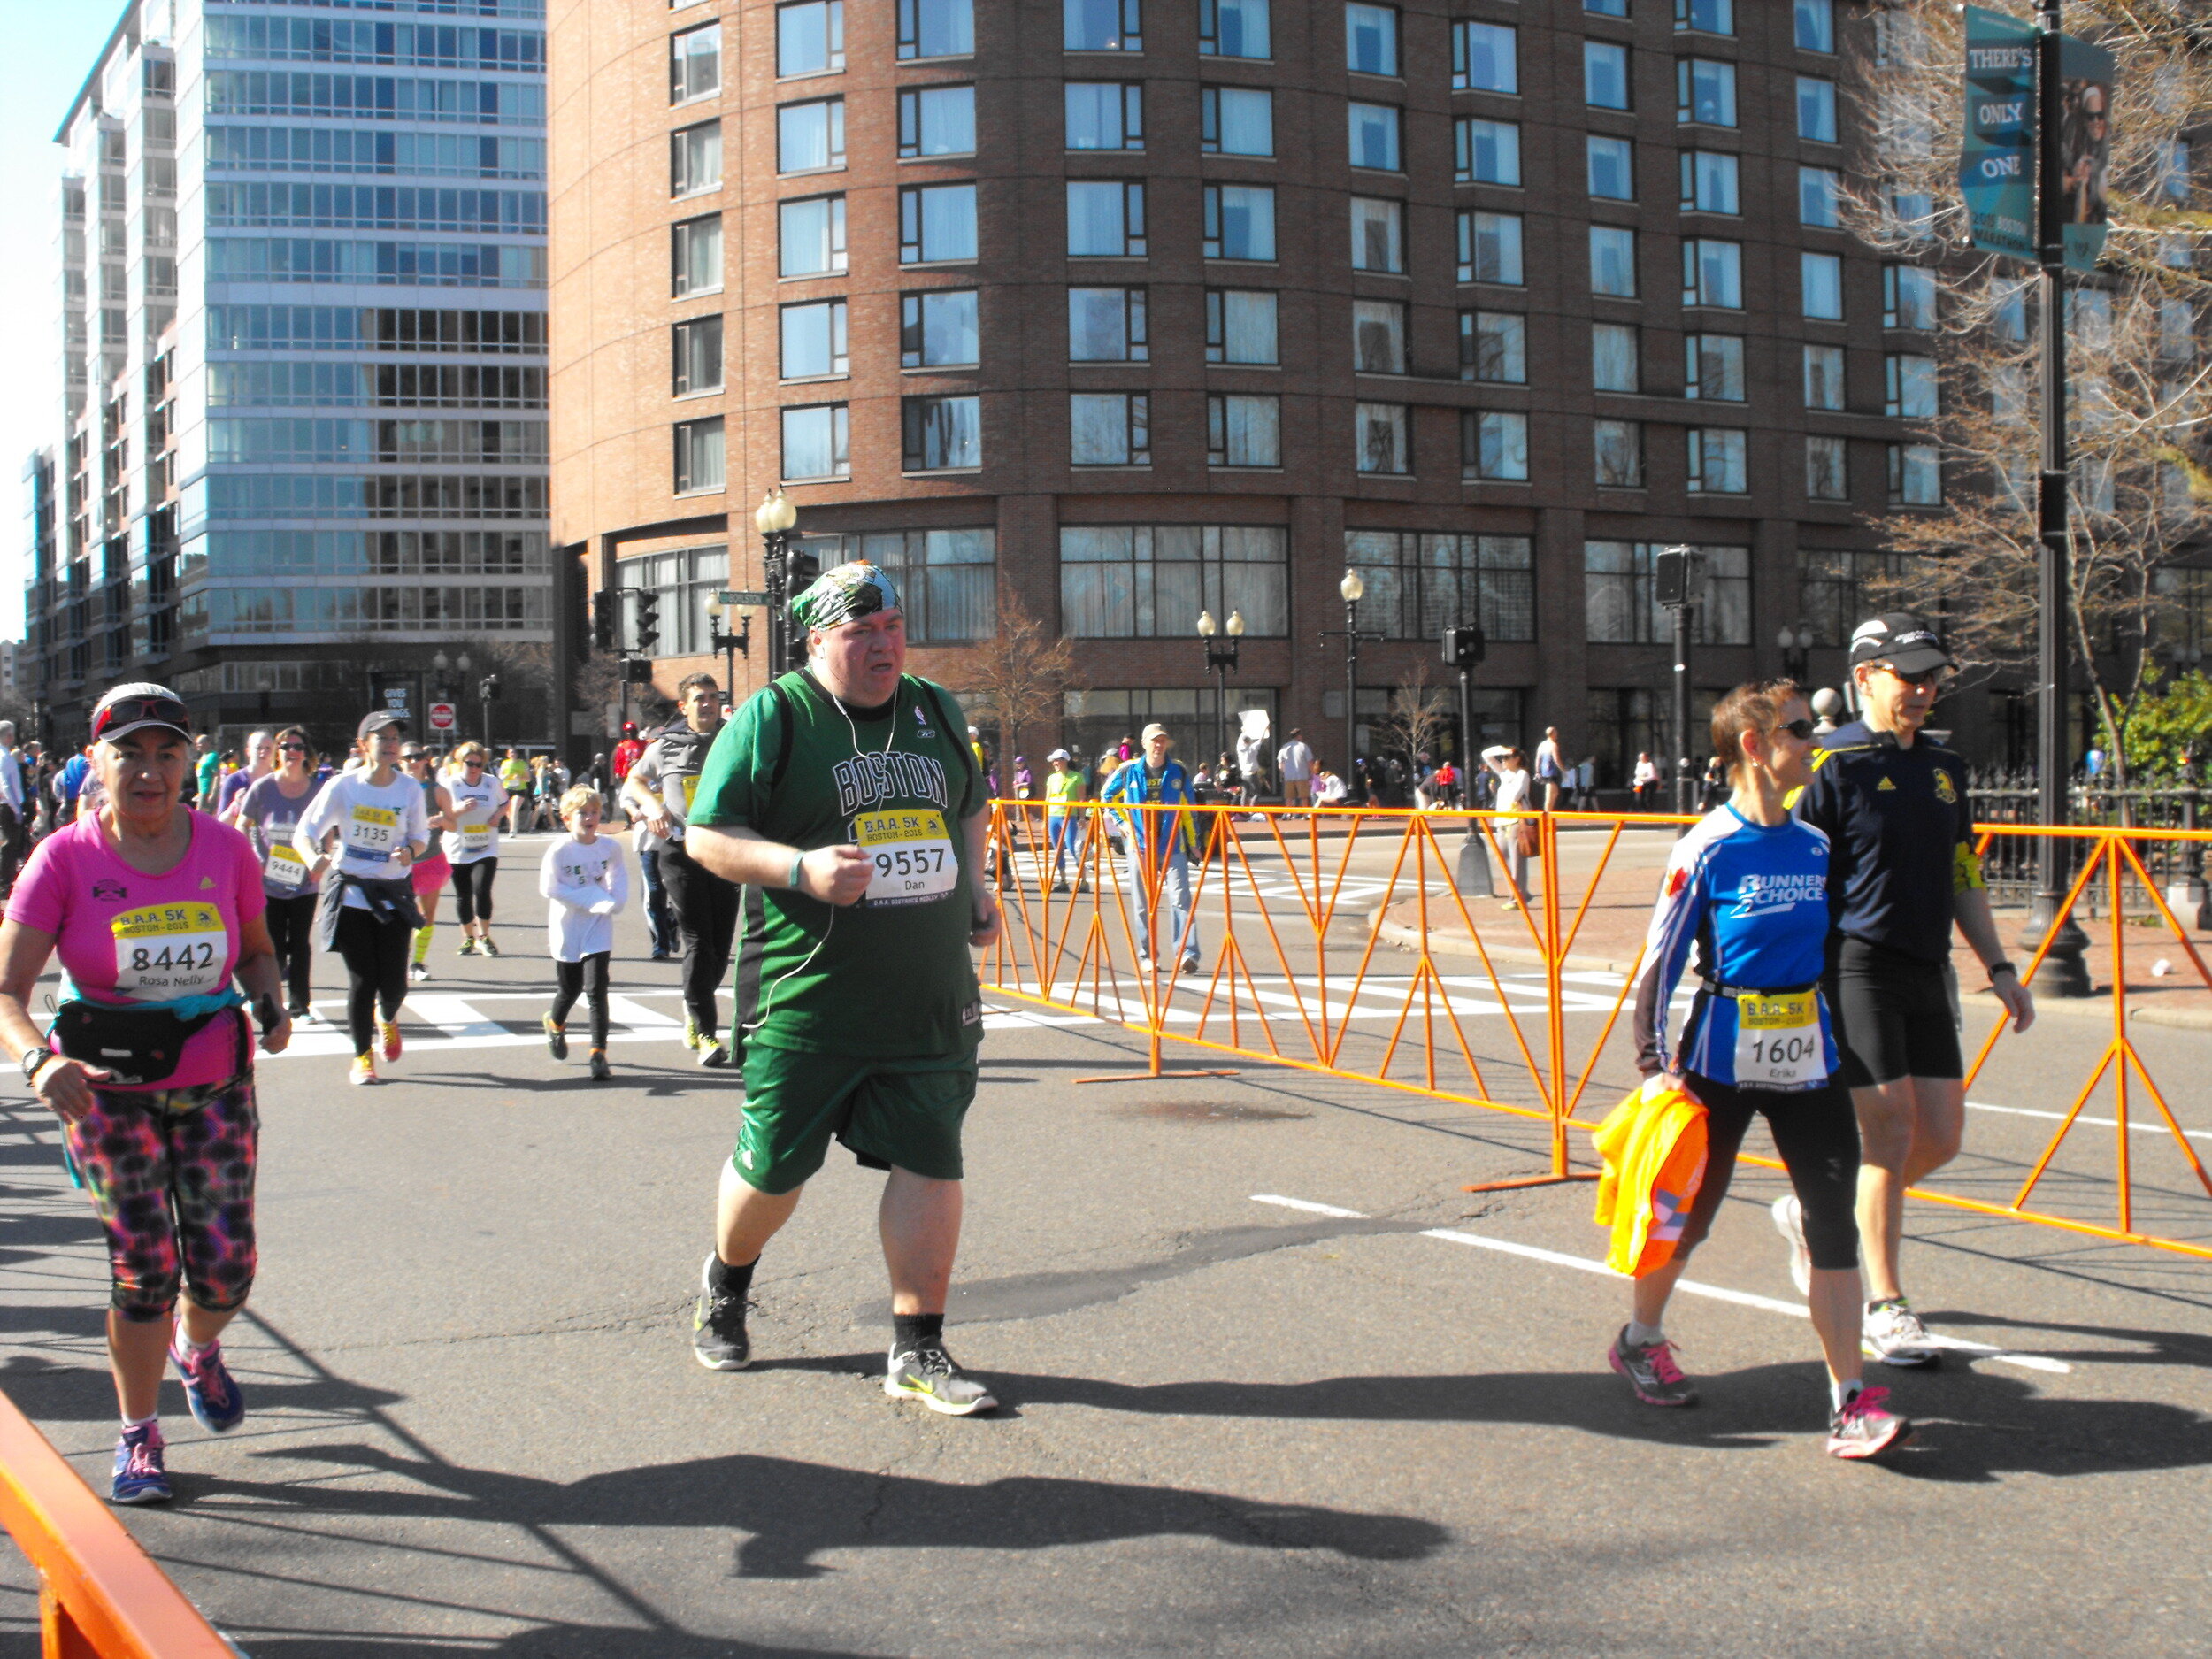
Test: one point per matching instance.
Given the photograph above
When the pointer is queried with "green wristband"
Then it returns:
(792, 881)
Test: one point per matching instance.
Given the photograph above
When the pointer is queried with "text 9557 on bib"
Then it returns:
(912, 855)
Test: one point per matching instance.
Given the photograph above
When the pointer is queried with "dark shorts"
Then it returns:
(1817, 1135)
(889, 1114)
(1895, 1015)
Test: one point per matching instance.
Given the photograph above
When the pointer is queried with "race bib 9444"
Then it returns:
(170, 950)
(913, 856)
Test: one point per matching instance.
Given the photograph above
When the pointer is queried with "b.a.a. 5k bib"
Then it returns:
(913, 856)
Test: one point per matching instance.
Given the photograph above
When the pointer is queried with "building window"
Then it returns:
(1910, 386)
(695, 158)
(1494, 445)
(1243, 430)
(1819, 197)
(1102, 26)
(1707, 17)
(1371, 39)
(698, 456)
(1379, 337)
(1615, 358)
(810, 38)
(1825, 469)
(683, 580)
(1713, 367)
(1816, 109)
(1705, 92)
(1418, 584)
(696, 355)
(1105, 115)
(1107, 325)
(1908, 299)
(1710, 182)
(1240, 326)
(1239, 222)
(937, 329)
(1383, 437)
(1613, 261)
(1493, 346)
(1716, 461)
(1606, 8)
(1490, 248)
(1105, 219)
(1486, 152)
(1148, 581)
(936, 28)
(1233, 28)
(1712, 273)
(1486, 57)
(1619, 451)
(812, 236)
(940, 434)
(936, 122)
(1820, 277)
(1236, 121)
(810, 137)
(1816, 25)
(1612, 168)
(815, 442)
(1379, 234)
(695, 63)
(1110, 429)
(811, 343)
(945, 578)
(1915, 477)
(936, 224)
(1619, 607)
(1373, 136)
(694, 249)
(1605, 83)
(1837, 588)
(1823, 377)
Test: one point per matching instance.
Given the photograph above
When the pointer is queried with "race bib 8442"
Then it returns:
(169, 951)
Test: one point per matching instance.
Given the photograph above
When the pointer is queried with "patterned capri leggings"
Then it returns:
(172, 1173)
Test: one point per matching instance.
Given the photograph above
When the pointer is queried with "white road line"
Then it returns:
(627, 1010)
(2156, 1126)
(454, 1018)
(1691, 1287)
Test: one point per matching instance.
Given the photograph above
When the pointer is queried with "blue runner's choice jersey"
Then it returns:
(1753, 900)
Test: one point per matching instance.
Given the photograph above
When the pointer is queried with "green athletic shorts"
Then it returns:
(890, 1114)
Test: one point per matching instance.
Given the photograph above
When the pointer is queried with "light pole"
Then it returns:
(1353, 589)
(441, 665)
(461, 666)
(774, 519)
(1220, 659)
(1797, 652)
(1671, 572)
(729, 644)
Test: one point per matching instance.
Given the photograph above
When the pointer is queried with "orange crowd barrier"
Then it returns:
(100, 1595)
(1344, 941)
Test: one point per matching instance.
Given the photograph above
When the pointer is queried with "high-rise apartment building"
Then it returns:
(1128, 309)
(302, 442)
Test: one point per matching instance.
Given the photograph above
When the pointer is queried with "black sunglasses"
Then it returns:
(1925, 677)
(291, 748)
(1801, 730)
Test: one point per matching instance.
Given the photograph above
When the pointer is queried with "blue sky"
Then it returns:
(46, 49)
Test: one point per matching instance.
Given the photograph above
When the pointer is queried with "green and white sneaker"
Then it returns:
(1893, 1335)
(691, 1033)
(927, 1374)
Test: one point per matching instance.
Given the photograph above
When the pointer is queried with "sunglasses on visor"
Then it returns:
(134, 710)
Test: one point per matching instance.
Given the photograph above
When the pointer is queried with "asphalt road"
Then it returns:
(1273, 1382)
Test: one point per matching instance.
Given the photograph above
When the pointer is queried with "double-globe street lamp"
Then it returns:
(1796, 641)
(440, 666)
(1221, 657)
(1353, 589)
(774, 519)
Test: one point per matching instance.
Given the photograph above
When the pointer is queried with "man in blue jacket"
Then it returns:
(1160, 845)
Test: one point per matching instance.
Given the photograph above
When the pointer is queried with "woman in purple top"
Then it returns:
(267, 811)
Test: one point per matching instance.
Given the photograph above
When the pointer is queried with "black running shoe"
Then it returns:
(718, 1327)
(599, 1070)
(556, 1038)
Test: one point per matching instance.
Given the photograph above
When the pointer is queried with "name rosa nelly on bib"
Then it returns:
(170, 950)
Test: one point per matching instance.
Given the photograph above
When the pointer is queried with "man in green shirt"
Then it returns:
(845, 801)
(1063, 788)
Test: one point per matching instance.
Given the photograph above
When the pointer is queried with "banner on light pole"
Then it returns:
(2085, 74)
(1997, 165)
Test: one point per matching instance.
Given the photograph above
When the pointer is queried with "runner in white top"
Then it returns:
(479, 798)
(585, 885)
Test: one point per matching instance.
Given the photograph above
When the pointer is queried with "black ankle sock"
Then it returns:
(911, 1331)
(731, 1281)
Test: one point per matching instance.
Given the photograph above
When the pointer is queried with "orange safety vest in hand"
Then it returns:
(1653, 1146)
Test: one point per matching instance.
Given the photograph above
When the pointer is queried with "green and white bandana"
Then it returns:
(842, 594)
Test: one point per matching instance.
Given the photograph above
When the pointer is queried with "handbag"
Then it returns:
(1526, 841)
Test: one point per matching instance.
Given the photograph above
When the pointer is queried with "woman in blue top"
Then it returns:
(1746, 891)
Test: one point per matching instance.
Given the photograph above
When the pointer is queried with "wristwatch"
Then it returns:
(34, 1057)
(1996, 968)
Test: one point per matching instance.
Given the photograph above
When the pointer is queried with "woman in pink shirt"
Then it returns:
(154, 909)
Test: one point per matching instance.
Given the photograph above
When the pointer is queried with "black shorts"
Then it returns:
(1895, 1015)
(1817, 1135)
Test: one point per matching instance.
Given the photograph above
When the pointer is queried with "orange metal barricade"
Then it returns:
(1304, 968)
(100, 1595)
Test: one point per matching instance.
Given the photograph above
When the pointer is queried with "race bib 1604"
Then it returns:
(170, 950)
(913, 856)
(1777, 1041)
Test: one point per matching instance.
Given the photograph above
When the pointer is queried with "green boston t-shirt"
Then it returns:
(889, 977)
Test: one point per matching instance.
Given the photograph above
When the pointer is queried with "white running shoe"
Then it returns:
(928, 1374)
(1893, 1334)
(1789, 1221)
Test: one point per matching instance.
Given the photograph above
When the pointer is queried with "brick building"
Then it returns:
(1126, 309)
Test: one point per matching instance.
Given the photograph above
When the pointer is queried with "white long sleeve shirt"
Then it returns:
(374, 824)
(585, 886)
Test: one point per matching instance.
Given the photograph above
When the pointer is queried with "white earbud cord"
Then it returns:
(890, 738)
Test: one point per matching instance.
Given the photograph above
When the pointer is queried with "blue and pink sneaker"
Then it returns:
(139, 1475)
(1866, 1427)
(217, 1405)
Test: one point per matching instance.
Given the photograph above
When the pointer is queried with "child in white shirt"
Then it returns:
(585, 885)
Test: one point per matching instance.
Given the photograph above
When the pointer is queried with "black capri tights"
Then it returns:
(1817, 1134)
(472, 889)
(586, 979)
(375, 955)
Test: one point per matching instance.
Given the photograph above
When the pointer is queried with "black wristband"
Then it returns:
(1996, 968)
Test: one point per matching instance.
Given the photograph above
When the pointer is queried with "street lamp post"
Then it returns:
(1353, 589)
(441, 665)
(461, 665)
(730, 645)
(774, 519)
(1797, 652)
(1220, 659)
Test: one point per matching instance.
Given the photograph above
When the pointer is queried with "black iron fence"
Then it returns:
(2170, 801)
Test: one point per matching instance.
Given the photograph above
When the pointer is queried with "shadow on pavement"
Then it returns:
(555, 1641)
(795, 1512)
(84, 1393)
(2159, 1347)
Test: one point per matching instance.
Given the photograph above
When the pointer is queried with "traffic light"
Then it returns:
(603, 624)
(648, 622)
(799, 572)
(1464, 646)
(1670, 576)
(488, 689)
(638, 671)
